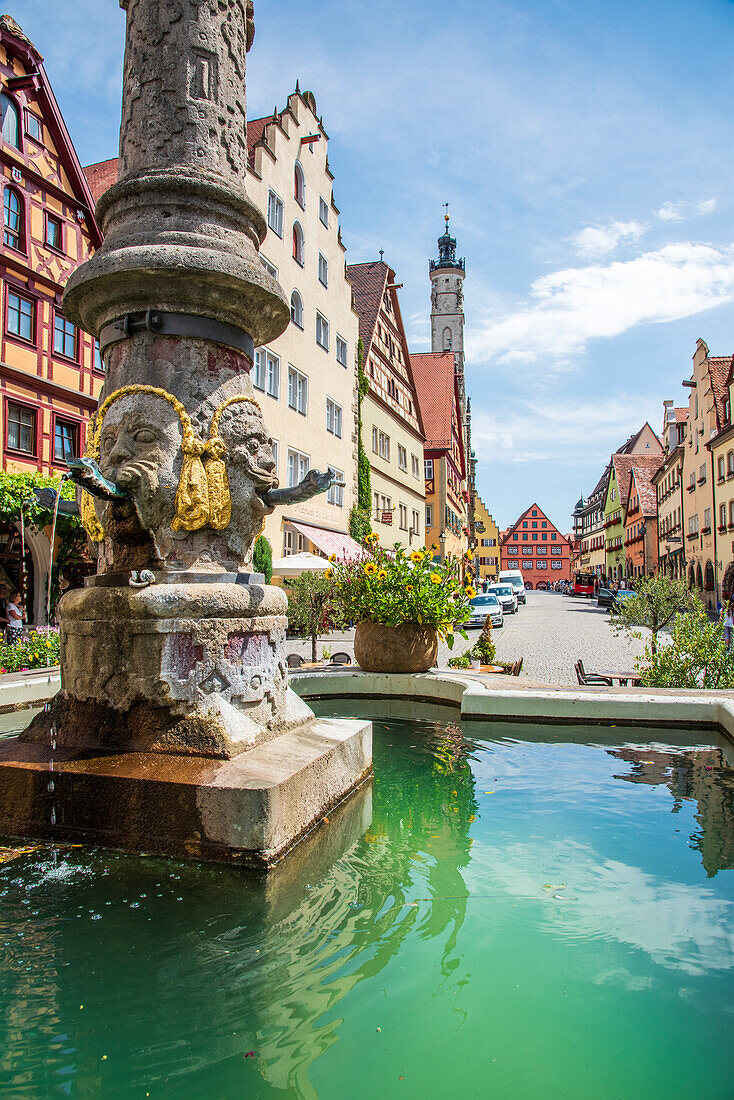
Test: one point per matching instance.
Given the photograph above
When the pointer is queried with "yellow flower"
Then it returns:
(332, 557)
(329, 574)
(434, 546)
(468, 555)
(416, 556)
(409, 588)
(435, 579)
(471, 592)
(370, 569)
(382, 574)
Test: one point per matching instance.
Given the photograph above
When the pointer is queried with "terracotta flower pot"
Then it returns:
(405, 648)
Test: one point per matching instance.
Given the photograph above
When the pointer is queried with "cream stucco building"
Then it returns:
(306, 379)
(392, 428)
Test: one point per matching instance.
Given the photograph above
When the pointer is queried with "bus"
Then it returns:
(583, 584)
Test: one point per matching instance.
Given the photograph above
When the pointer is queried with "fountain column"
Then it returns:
(176, 649)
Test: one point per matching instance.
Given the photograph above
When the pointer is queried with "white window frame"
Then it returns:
(276, 213)
(334, 418)
(298, 323)
(342, 351)
(335, 493)
(323, 211)
(429, 516)
(403, 516)
(297, 390)
(402, 458)
(298, 465)
(270, 268)
(384, 446)
(323, 270)
(375, 440)
(415, 466)
(322, 331)
(428, 469)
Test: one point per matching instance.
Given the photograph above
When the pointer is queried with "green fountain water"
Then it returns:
(520, 919)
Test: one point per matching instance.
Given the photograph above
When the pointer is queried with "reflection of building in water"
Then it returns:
(701, 775)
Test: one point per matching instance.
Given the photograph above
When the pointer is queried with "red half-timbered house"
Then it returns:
(50, 372)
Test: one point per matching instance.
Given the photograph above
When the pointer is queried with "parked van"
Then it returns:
(515, 578)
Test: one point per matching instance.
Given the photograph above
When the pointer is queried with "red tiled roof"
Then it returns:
(718, 368)
(681, 416)
(101, 176)
(433, 372)
(646, 490)
(368, 283)
(623, 466)
(255, 131)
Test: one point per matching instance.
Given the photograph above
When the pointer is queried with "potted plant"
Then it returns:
(402, 602)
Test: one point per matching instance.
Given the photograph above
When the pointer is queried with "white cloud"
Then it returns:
(671, 212)
(570, 433)
(707, 206)
(597, 240)
(567, 309)
(680, 211)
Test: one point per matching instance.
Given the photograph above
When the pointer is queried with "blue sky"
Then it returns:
(586, 149)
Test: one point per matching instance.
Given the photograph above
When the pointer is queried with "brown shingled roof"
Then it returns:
(681, 416)
(368, 283)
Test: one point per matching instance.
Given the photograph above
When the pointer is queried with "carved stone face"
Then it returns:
(139, 443)
(250, 462)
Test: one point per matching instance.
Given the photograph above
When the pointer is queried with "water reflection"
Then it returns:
(122, 974)
(700, 775)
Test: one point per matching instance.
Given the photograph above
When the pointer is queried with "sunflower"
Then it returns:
(370, 569)
(471, 592)
(381, 576)
(469, 555)
(332, 557)
(434, 546)
(409, 589)
(329, 574)
(435, 579)
(416, 556)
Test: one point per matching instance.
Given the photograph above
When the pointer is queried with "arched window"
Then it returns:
(299, 185)
(709, 577)
(447, 339)
(297, 309)
(731, 513)
(730, 462)
(13, 219)
(691, 577)
(720, 465)
(699, 577)
(11, 120)
(298, 243)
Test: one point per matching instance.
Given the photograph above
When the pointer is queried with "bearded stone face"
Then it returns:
(250, 462)
(139, 444)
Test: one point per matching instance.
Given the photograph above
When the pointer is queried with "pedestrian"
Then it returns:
(14, 613)
(728, 624)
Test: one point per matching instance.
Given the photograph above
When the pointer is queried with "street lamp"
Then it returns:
(442, 540)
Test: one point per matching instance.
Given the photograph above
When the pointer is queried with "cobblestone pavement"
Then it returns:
(550, 633)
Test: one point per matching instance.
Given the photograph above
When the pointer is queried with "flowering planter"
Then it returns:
(405, 648)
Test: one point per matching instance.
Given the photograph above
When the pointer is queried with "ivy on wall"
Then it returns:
(359, 517)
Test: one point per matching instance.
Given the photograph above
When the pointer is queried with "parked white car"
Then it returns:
(516, 579)
(505, 593)
(485, 604)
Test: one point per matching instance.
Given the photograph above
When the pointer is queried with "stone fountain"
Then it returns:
(175, 730)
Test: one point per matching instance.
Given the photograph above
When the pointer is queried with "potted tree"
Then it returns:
(402, 603)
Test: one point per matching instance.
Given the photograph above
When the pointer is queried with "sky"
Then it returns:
(586, 149)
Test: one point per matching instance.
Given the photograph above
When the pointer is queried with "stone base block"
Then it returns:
(249, 810)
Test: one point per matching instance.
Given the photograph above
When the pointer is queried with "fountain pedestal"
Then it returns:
(175, 731)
